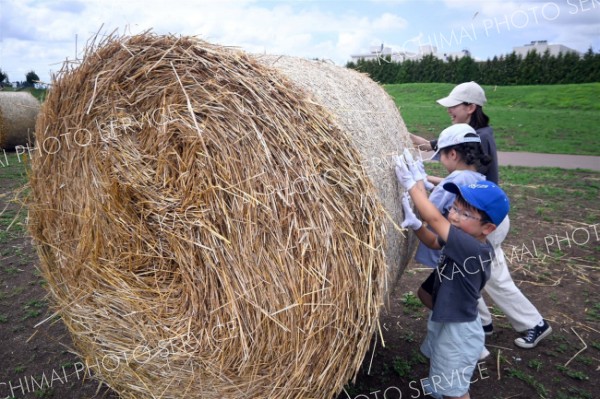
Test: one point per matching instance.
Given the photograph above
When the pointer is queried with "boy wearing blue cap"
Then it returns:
(455, 337)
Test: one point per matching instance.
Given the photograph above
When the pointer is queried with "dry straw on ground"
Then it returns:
(18, 112)
(214, 234)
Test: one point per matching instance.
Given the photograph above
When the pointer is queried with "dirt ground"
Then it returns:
(553, 251)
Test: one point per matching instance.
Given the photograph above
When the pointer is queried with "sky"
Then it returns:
(40, 35)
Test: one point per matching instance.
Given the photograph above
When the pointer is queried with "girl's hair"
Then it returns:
(470, 153)
(478, 118)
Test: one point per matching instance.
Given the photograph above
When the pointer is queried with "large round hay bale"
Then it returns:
(205, 227)
(18, 112)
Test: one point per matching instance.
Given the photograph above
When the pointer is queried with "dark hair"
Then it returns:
(482, 214)
(470, 153)
(478, 118)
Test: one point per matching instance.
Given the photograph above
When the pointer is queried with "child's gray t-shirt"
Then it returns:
(456, 283)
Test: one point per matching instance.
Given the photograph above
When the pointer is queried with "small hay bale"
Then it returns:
(18, 112)
(206, 229)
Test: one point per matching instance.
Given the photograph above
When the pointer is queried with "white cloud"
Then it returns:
(35, 34)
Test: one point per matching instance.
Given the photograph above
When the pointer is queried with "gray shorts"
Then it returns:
(453, 350)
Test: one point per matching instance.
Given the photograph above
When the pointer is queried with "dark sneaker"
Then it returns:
(488, 329)
(533, 336)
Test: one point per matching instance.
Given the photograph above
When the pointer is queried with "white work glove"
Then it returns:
(404, 176)
(428, 185)
(410, 219)
(413, 167)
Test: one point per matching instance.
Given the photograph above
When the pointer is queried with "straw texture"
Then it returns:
(209, 231)
(369, 117)
(18, 112)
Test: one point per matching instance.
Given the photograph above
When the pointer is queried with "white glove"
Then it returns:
(428, 185)
(413, 167)
(410, 219)
(405, 178)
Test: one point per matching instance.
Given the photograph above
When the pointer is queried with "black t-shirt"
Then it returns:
(456, 283)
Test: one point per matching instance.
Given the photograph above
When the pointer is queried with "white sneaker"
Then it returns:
(484, 353)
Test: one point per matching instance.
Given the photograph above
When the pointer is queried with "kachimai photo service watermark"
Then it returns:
(425, 386)
(103, 132)
(526, 16)
(140, 355)
(557, 242)
(39, 383)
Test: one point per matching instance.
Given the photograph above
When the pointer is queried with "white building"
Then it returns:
(381, 53)
(540, 46)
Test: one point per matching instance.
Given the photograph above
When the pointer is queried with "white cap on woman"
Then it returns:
(469, 92)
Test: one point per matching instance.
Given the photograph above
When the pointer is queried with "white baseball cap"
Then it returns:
(469, 92)
(458, 133)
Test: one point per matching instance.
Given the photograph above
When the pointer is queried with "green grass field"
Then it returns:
(555, 119)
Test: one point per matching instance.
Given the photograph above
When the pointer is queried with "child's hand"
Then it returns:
(410, 219)
(413, 166)
(404, 176)
(428, 185)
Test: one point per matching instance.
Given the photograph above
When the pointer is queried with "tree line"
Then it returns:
(30, 79)
(511, 69)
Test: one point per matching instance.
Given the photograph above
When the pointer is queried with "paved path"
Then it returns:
(554, 160)
(548, 160)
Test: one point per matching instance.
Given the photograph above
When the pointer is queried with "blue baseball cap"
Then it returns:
(485, 196)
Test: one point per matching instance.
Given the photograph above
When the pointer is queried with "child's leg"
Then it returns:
(484, 312)
(455, 351)
(519, 311)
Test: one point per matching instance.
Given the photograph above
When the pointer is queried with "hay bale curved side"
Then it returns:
(193, 242)
(18, 113)
(368, 115)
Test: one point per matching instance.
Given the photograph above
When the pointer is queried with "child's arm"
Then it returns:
(434, 180)
(425, 297)
(429, 213)
(425, 235)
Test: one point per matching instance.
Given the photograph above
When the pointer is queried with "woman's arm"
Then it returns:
(420, 142)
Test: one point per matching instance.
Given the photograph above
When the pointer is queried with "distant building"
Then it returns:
(540, 46)
(381, 52)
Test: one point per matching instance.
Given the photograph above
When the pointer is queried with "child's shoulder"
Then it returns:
(464, 240)
(463, 177)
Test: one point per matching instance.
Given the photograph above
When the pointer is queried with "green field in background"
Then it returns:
(555, 119)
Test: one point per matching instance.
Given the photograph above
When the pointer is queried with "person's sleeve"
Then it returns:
(433, 144)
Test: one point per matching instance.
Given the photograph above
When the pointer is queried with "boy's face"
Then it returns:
(469, 220)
